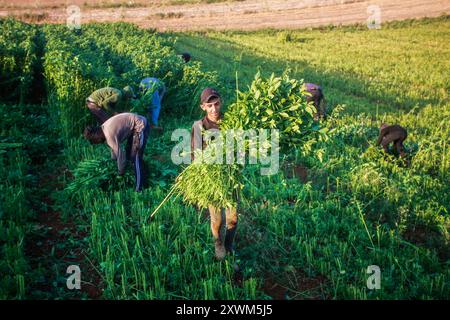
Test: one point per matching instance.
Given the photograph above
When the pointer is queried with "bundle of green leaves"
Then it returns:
(275, 103)
(92, 174)
(272, 103)
(205, 184)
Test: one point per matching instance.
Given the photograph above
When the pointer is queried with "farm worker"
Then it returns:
(223, 220)
(106, 102)
(186, 57)
(392, 134)
(157, 89)
(317, 98)
(124, 126)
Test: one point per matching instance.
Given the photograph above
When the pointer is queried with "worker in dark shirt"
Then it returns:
(186, 57)
(392, 134)
(223, 220)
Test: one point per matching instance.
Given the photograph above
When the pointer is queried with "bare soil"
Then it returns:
(229, 15)
(300, 287)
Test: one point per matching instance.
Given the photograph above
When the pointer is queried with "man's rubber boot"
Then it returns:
(220, 251)
(229, 240)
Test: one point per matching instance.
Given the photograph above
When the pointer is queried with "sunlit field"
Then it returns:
(310, 231)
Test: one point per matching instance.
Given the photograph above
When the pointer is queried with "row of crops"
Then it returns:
(115, 55)
(135, 259)
(14, 213)
(19, 125)
(18, 59)
(359, 207)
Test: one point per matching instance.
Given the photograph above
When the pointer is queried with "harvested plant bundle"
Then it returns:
(94, 173)
(273, 103)
(205, 184)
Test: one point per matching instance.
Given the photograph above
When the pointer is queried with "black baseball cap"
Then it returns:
(207, 94)
(186, 57)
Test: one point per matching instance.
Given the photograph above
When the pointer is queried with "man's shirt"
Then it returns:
(119, 128)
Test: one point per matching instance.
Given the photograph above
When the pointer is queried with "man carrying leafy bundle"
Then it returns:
(223, 220)
(106, 102)
(275, 104)
(124, 126)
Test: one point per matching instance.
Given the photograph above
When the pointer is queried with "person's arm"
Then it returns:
(121, 161)
(380, 137)
(383, 132)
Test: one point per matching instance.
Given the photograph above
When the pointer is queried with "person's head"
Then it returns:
(317, 98)
(186, 57)
(128, 92)
(94, 135)
(315, 92)
(211, 103)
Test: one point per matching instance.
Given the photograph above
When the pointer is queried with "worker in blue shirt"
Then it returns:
(156, 90)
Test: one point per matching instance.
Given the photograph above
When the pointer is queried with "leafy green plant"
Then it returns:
(17, 59)
(92, 174)
(276, 103)
(356, 207)
(209, 184)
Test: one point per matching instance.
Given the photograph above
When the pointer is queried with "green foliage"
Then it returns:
(357, 207)
(115, 55)
(275, 103)
(141, 104)
(15, 208)
(91, 174)
(73, 70)
(210, 184)
(17, 59)
(365, 83)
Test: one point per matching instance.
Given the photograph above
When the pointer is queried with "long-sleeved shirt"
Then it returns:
(108, 98)
(119, 128)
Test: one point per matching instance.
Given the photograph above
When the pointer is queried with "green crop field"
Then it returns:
(310, 237)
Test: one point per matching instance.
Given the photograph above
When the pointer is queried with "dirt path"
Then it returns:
(55, 244)
(236, 15)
